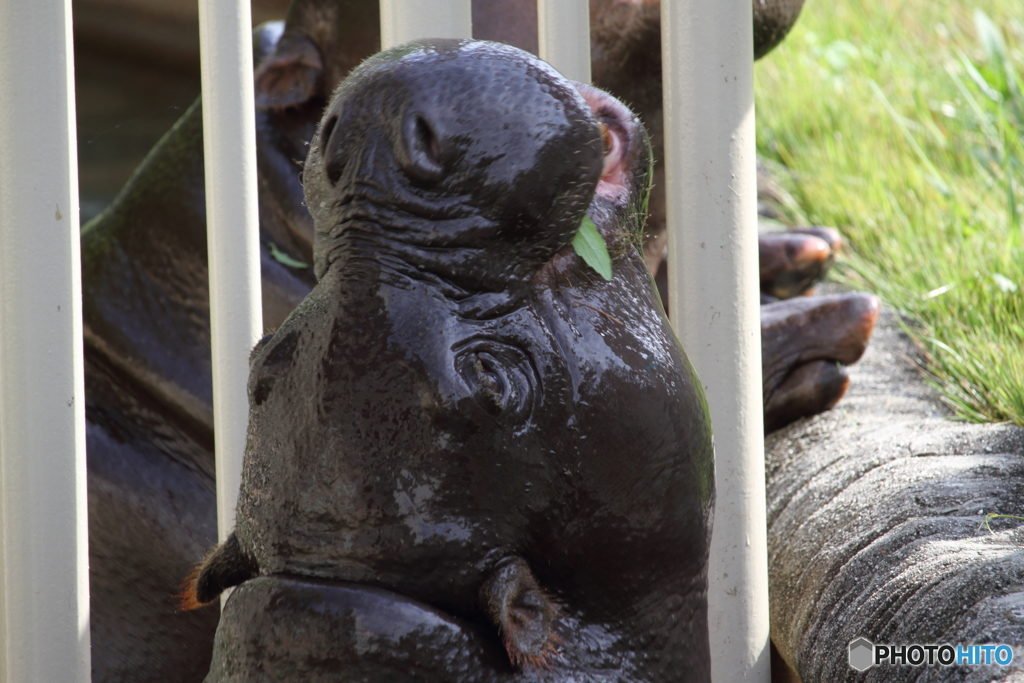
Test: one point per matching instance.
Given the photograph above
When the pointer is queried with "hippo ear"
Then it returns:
(524, 614)
(291, 75)
(225, 566)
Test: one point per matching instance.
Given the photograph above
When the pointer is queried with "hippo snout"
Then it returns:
(454, 174)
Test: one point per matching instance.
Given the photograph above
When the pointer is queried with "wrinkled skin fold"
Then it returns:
(462, 409)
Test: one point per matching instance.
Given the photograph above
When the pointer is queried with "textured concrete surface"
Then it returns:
(875, 527)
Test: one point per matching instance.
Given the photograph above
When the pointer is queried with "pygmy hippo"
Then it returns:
(464, 427)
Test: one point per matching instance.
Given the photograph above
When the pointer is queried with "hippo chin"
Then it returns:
(470, 457)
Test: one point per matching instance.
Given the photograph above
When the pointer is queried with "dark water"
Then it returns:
(123, 109)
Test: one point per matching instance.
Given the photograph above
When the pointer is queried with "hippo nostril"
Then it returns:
(422, 158)
(427, 139)
(332, 164)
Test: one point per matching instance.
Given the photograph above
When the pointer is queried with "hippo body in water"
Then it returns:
(462, 410)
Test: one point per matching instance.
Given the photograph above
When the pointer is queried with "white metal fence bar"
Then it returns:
(713, 286)
(405, 20)
(44, 578)
(229, 145)
(563, 36)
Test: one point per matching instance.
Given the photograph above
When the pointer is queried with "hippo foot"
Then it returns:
(791, 262)
(806, 341)
(808, 390)
(804, 344)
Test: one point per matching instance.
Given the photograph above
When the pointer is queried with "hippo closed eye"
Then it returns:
(463, 425)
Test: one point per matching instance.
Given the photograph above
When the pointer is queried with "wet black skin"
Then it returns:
(460, 389)
(323, 39)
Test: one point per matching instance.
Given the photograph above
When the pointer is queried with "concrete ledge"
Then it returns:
(873, 527)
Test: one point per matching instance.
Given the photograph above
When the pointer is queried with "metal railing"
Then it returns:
(708, 82)
(708, 79)
(232, 233)
(44, 577)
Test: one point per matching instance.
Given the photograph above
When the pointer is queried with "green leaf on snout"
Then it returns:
(285, 259)
(590, 246)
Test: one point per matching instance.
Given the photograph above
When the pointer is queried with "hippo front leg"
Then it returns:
(278, 629)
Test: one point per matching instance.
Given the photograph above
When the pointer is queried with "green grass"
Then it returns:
(902, 124)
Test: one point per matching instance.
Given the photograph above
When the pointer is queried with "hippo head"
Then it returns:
(464, 424)
(450, 185)
(302, 63)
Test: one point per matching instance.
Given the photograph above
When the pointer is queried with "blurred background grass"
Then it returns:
(900, 123)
